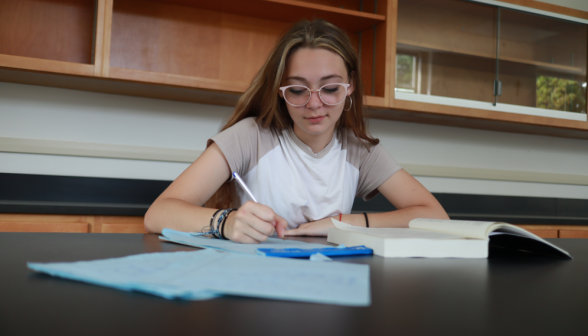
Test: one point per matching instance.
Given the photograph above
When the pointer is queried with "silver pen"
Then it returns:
(244, 186)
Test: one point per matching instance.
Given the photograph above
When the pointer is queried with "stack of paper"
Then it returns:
(208, 273)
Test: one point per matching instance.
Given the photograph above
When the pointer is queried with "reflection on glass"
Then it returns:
(542, 61)
(405, 73)
(560, 94)
(446, 48)
(449, 48)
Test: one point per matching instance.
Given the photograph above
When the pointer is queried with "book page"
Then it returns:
(469, 229)
(503, 228)
(395, 232)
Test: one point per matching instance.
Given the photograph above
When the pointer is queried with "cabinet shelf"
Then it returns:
(48, 30)
(288, 11)
(219, 46)
(410, 45)
(177, 80)
(141, 76)
(44, 65)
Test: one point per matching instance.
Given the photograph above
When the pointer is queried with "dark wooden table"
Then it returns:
(502, 295)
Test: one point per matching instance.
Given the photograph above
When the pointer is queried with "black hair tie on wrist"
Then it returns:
(212, 218)
(222, 227)
(367, 222)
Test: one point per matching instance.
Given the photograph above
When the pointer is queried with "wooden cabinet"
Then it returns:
(558, 231)
(454, 57)
(221, 45)
(119, 224)
(45, 223)
(216, 46)
(208, 51)
(49, 36)
(543, 231)
(456, 49)
(510, 68)
(70, 223)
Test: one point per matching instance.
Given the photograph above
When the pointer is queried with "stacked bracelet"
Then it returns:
(220, 219)
(212, 218)
(216, 228)
(213, 228)
(209, 230)
(222, 225)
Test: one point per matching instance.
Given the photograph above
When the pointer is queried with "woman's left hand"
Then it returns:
(318, 228)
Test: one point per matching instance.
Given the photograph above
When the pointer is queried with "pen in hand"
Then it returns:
(244, 186)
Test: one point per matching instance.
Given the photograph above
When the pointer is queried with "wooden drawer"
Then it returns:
(43, 227)
(573, 233)
(119, 224)
(44, 223)
(71, 223)
(558, 231)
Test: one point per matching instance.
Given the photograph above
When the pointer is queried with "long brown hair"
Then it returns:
(261, 100)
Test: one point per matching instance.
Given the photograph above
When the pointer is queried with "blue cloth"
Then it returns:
(208, 273)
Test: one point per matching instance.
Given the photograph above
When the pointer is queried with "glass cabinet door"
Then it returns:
(542, 61)
(446, 48)
(463, 53)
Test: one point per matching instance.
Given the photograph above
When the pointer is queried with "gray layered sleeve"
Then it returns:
(244, 144)
(375, 165)
(238, 144)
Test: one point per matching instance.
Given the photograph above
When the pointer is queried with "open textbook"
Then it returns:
(438, 238)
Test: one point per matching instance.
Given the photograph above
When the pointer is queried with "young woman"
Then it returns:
(299, 141)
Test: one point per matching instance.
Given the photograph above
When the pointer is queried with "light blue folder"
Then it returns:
(227, 245)
(208, 273)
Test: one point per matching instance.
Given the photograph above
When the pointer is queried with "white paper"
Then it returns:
(227, 245)
(207, 273)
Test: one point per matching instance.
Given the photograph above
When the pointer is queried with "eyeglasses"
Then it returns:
(330, 94)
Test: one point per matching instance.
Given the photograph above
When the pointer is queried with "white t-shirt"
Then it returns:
(299, 185)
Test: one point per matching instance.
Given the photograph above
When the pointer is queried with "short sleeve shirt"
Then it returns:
(299, 185)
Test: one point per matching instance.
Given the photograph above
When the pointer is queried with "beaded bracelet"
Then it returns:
(220, 220)
(216, 229)
(222, 227)
(208, 230)
(212, 218)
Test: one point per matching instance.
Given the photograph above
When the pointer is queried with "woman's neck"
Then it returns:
(316, 142)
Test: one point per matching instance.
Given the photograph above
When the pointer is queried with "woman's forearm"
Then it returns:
(396, 218)
(176, 214)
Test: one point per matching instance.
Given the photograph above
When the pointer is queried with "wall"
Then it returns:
(108, 127)
(575, 4)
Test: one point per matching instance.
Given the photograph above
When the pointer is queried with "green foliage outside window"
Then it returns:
(405, 71)
(560, 94)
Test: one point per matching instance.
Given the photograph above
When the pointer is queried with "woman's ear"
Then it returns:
(352, 83)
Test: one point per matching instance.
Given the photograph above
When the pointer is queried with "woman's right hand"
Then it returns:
(253, 223)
